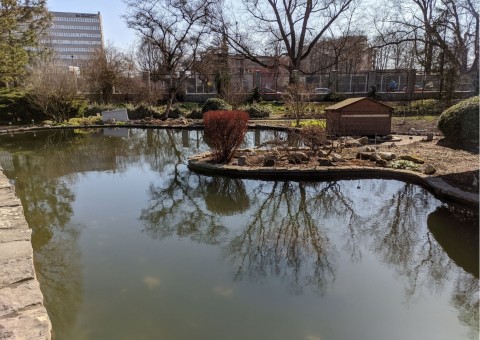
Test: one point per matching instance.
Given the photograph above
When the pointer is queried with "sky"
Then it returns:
(115, 29)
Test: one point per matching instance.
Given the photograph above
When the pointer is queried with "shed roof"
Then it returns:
(350, 101)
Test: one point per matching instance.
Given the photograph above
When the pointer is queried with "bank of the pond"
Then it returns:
(22, 313)
(167, 125)
(439, 187)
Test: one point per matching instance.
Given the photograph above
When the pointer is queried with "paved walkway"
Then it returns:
(22, 314)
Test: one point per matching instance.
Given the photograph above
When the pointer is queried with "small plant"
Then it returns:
(256, 96)
(213, 104)
(404, 164)
(296, 99)
(225, 131)
(195, 114)
(313, 136)
(258, 111)
(143, 111)
(178, 111)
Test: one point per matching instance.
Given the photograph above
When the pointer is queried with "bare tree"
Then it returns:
(175, 29)
(53, 90)
(297, 25)
(444, 33)
(296, 99)
(105, 71)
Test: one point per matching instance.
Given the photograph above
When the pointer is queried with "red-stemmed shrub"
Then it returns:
(225, 131)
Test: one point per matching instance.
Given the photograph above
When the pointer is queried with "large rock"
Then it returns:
(381, 162)
(269, 160)
(325, 162)
(413, 159)
(376, 157)
(337, 158)
(297, 157)
(364, 155)
(388, 156)
(242, 160)
(429, 169)
(352, 144)
(363, 140)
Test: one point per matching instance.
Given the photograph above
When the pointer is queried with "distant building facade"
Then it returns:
(74, 37)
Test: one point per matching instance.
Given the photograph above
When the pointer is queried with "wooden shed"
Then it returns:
(359, 117)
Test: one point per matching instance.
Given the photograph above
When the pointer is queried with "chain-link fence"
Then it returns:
(360, 82)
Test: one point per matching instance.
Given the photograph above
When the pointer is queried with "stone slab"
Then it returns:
(16, 250)
(22, 314)
(12, 235)
(31, 324)
(15, 298)
(13, 271)
(12, 218)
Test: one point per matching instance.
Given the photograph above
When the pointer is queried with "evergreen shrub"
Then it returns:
(459, 123)
(213, 104)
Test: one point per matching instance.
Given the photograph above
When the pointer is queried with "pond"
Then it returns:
(129, 244)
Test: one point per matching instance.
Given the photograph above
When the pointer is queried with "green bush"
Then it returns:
(213, 104)
(14, 107)
(255, 96)
(334, 97)
(182, 110)
(143, 111)
(195, 114)
(460, 122)
(258, 111)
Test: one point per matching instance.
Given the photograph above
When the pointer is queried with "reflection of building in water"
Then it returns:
(6, 160)
(116, 132)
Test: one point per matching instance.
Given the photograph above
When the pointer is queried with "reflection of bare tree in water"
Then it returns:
(283, 238)
(47, 204)
(57, 264)
(397, 234)
(330, 199)
(465, 297)
(176, 209)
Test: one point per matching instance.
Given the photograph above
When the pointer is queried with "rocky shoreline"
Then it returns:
(22, 313)
(202, 164)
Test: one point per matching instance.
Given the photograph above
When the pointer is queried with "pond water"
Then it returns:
(129, 244)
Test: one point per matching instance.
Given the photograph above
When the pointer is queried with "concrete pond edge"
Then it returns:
(22, 312)
(434, 184)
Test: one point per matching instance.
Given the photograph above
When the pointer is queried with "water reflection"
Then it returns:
(291, 245)
(297, 233)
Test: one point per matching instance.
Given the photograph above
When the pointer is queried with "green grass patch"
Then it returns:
(321, 123)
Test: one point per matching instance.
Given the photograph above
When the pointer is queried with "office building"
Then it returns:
(74, 37)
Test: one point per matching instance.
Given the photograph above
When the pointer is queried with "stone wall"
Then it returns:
(22, 313)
